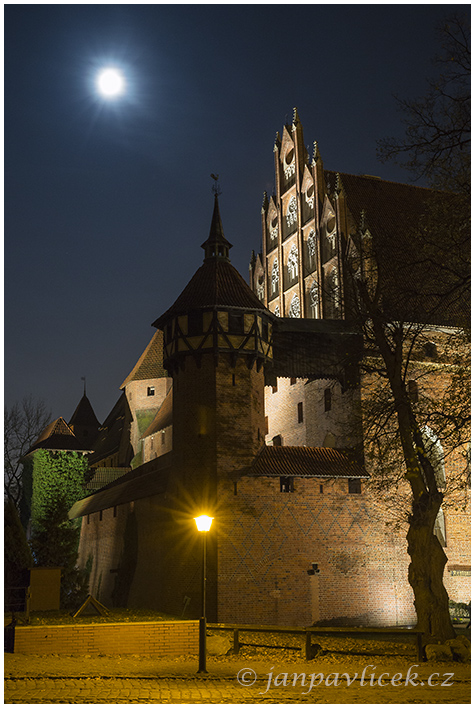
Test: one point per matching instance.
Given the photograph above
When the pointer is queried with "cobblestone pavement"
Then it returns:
(36, 679)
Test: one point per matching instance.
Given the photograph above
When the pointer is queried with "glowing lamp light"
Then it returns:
(203, 522)
(110, 83)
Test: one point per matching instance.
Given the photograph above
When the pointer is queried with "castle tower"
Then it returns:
(217, 337)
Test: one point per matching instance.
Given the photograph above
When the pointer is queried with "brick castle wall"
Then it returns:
(269, 540)
(176, 638)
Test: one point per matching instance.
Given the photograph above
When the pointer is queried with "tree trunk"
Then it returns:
(426, 571)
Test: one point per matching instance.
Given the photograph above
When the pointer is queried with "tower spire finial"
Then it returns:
(215, 188)
(216, 245)
(83, 379)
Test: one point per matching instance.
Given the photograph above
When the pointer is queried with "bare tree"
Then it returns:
(411, 294)
(437, 141)
(24, 422)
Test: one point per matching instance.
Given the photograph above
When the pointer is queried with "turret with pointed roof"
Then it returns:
(217, 339)
(215, 310)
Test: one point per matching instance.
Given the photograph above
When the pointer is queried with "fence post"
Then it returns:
(308, 645)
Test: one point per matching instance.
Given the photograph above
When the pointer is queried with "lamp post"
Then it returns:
(203, 523)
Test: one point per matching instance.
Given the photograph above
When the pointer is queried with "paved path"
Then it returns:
(33, 679)
(133, 690)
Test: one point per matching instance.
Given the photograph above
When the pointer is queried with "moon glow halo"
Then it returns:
(110, 83)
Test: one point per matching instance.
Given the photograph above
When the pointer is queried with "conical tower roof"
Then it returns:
(84, 415)
(217, 284)
(216, 245)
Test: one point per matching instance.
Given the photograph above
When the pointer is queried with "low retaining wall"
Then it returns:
(172, 638)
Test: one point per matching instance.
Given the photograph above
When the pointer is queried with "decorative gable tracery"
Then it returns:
(294, 309)
(291, 215)
(275, 277)
(292, 263)
(314, 296)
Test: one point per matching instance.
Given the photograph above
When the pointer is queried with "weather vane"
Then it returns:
(216, 188)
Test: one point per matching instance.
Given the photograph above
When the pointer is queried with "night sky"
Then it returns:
(108, 201)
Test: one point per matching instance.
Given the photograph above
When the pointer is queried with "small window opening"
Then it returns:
(277, 441)
(286, 484)
(195, 322)
(354, 486)
(430, 350)
(236, 323)
(100, 516)
(327, 397)
(300, 412)
(115, 510)
(234, 380)
(150, 391)
(321, 488)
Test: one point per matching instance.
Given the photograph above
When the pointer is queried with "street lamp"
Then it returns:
(203, 523)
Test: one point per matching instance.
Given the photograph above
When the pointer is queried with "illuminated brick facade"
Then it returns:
(260, 423)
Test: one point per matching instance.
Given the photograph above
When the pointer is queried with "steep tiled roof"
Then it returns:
(293, 461)
(150, 364)
(216, 284)
(163, 417)
(319, 349)
(398, 217)
(57, 436)
(113, 436)
(84, 415)
(391, 208)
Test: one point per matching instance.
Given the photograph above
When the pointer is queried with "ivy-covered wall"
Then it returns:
(57, 475)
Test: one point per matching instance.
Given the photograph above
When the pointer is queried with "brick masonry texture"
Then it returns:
(179, 637)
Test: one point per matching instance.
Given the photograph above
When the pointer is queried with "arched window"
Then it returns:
(275, 277)
(277, 311)
(314, 296)
(311, 245)
(292, 264)
(273, 227)
(310, 195)
(335, 289)
(291, 216)
(294, 310)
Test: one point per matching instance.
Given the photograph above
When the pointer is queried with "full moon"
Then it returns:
(110, 83)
